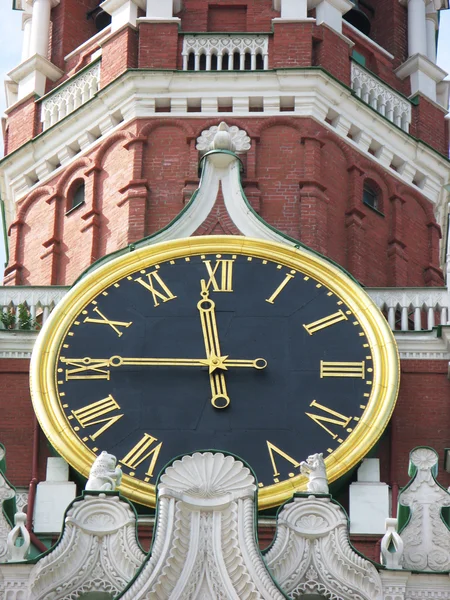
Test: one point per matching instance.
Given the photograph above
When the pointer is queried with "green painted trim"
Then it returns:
(5, 230)
(359, 58)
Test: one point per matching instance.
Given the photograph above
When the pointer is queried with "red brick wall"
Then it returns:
(22, 125)
(291, 45)
(17, 423)
(227, 18)
(422, 415)
(158, 46)
(70, 28)
(429, 125)
(194, 16)
(299, 176)
(120, 52)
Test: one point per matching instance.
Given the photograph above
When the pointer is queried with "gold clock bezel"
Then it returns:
(47, 404)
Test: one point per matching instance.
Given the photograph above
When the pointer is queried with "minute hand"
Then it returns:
(119, 361)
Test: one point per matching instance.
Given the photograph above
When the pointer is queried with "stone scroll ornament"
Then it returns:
(312, 555)
(426, 535)
(205, 544)
(97, 552)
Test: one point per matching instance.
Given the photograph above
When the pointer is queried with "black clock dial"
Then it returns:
(225, 351)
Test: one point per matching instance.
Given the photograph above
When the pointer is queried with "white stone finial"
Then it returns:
(105, 474)
(224, 137)
(16, 552)
(391, 546)
(314, 468)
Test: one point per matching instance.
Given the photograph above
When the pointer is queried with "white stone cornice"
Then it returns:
(312, 93)
(35, 63)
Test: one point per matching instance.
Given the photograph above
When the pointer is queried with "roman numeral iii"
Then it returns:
(140, 452)
(156, 286)
(90, 415)
(220, 275)
(342, 369)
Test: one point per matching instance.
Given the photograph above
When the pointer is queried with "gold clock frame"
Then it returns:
(53, 421)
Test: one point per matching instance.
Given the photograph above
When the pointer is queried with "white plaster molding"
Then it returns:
(240, 142)
(6, 493)
(97, 552)
(311, 554)
(205, 544)
(14, 581)
(31, 74)
(16, 344)
(425, 537)
(123, 12)
(311, 93)
(330, 12)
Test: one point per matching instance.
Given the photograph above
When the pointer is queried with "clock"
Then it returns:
(219, 342)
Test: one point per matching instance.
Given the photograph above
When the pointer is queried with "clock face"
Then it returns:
(215, 343)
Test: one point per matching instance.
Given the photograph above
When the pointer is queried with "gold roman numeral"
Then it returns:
(334, 417)
(342, 369)
(221, 275)
(163, 293)
(272, 450)
(325, 322)
(279, 289)
(104, 321)
(140, 452)
(90, 415)
(86, 368)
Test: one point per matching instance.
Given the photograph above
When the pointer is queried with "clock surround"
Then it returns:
(288, 267)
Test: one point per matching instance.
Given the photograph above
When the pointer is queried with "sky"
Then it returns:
(11, 38)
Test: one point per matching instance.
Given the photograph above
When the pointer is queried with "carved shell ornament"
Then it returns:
(224, 137)
(208, 475)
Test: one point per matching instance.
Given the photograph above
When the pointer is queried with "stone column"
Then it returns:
(431, 26)
(417, 33)
(160, 9)
(26, 27)
(40, 27)
(330, 12)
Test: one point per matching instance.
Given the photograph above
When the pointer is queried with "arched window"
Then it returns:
(75, 195)
(371, 195)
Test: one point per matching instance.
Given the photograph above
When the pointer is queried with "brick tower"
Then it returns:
(337, 111)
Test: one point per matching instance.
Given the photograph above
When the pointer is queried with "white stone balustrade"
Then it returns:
(223, 52)
(39, 301)
(381, 97)
(70, 95)
(406, 309)
(412, 309)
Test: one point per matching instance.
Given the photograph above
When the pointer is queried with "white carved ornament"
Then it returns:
(381, 97)
(220, 45)
(426, 538)
(237, 139)
(97, 552)
(73, 94)
(205, 545)
(312, 554)
(6, 493)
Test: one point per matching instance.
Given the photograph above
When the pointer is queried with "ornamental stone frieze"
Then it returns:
(7, 492)
(97, 551)
(312, 553)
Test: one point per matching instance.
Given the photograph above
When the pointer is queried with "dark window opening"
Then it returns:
(214, 62)
(225, 60)
(248, 61)
(259, 62)
(191, 61)
(371, 196)
(202, 62)
(76, 195)
(236, 61)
